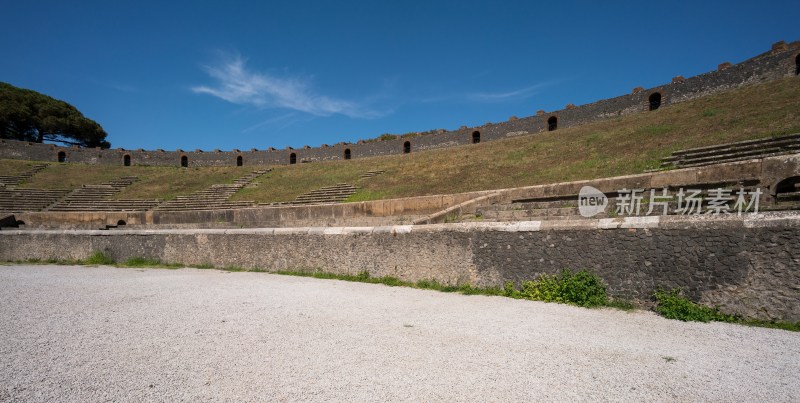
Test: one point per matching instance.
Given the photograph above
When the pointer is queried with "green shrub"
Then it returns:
(99, 257)
(673, 305)
(510, 291)
(581, 288)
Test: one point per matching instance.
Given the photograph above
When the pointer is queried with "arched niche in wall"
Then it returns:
(552, 123)
(787, 185)
(292, 158)
(797, 65)
(184, 161)
(126, 160)
(654, 101)
(407, 147)
(476, 137)
(347, 154)
(62, 156)
(239, 161)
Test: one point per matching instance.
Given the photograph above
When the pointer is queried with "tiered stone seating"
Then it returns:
(328, 194)
(214, 198)
(731, 152)
(16, 200)
(13, 180)
(566, 208)
(370, 174)
(98, 198)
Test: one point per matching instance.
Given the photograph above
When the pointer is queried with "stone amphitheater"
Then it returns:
(746, 264)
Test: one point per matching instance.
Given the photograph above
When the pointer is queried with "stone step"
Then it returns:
(760, 153)
(17, 191)
(526, 214)
(315, 197)
(693, 165)
(326, 194)
(745, 143)
(572, 202)
(17, 179)
(321, 200)
(732, 152)
(20, 200)
(473, 218)
(788, 196)
(95, 197)
(215, 197)
(371, 174)
(778, 143)
(203, 208)
(193, 203)
(95, 204)
(327, 191)
(95, 208)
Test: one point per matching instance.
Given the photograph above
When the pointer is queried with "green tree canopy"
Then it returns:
(27, 115)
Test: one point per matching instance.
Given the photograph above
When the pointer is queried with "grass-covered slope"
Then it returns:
(154, 182)
(613, 147)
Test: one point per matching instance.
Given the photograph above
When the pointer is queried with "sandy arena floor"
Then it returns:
(102, 333)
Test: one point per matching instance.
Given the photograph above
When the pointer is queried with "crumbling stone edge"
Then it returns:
(751, 220)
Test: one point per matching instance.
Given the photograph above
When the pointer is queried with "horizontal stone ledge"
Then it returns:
(750, 220)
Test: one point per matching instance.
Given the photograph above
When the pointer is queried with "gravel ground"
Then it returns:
(101, 333)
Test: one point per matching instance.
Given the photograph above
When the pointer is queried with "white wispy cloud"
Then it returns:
(238, 85)
(488, 97)
(521, 93)
(281, 121)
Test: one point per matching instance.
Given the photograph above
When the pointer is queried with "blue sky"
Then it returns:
(202, 74)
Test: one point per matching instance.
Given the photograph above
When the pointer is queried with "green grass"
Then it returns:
(99, 258)
(154, 182)
(15, 167)
(790, 326)
(617, 146)
(581, 288)
(674, 305)
(613, 147)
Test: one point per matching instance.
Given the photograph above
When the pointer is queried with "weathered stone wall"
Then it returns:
(748, 265)
(780, 62)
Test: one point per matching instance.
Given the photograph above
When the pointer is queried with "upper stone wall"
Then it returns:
(782, 61)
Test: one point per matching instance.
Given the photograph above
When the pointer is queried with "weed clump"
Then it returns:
(141, 262)
(674, 305)
(98, 257)
(581, 288)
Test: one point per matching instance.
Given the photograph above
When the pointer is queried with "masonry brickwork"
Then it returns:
(781, 61)
(747, 265)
